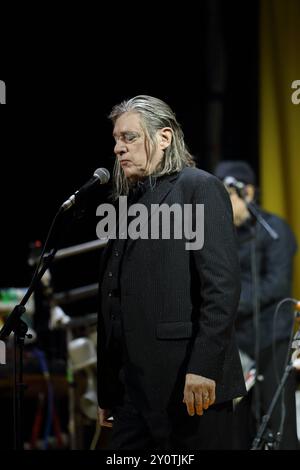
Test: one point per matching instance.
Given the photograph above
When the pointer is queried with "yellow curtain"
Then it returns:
(279, 117)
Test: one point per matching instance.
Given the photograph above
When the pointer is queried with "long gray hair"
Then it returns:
(155, 114)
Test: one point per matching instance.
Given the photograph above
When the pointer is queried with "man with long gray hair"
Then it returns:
(168, 364)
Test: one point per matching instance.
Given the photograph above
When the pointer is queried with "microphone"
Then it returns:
(233, 182)
(101, 176)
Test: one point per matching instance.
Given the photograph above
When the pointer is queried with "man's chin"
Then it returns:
(127, 173)
(132, 176)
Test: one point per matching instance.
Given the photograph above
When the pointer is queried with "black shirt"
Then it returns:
(111, 286)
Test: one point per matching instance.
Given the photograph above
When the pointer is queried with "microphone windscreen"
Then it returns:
(103, 175)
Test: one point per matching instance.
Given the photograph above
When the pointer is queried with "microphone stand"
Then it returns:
(256, 217)
(271, 441)
(15, 324)
(256, 314)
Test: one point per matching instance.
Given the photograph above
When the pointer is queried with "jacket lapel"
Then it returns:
(155, 196)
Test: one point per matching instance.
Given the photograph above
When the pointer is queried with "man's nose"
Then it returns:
(120, 148)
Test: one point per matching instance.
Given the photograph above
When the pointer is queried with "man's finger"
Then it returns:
(206, 400)
(189, 401)
(103, 415)
(199, 404)
(106, 424)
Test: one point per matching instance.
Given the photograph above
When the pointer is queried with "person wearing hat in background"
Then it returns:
(274, 262)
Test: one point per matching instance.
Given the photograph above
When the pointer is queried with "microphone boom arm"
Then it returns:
(257, 216)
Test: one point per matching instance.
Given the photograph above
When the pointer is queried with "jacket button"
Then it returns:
(110, 274)
(116, 253)
(109, 294)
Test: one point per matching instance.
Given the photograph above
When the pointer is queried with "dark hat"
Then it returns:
(239, 169)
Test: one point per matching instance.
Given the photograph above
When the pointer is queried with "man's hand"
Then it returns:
(199, 393)
(103, 415)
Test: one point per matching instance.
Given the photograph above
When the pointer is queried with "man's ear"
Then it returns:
(165, 136)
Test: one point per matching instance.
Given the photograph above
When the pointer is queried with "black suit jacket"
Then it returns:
(178, 306)
(274, 261)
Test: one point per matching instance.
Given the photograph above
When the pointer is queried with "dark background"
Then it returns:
(62, 81)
